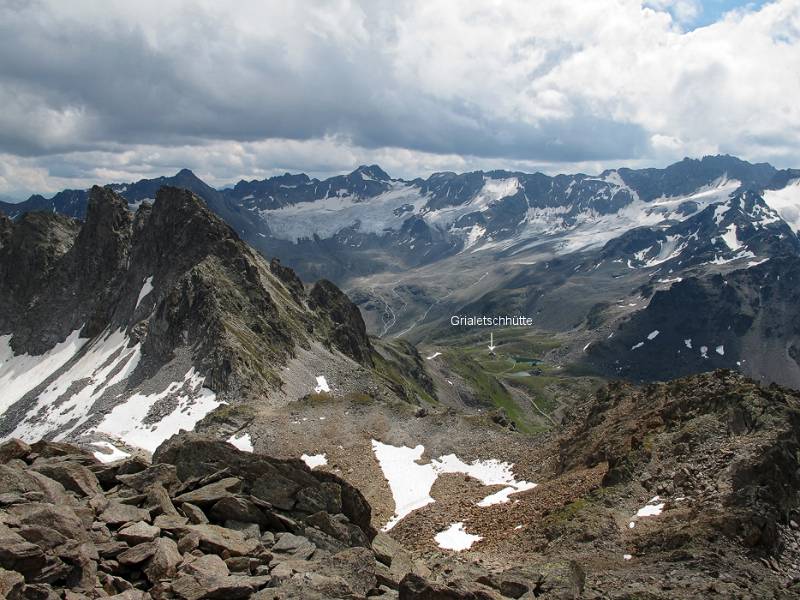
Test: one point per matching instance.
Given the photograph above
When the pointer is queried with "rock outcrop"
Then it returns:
(202, 521)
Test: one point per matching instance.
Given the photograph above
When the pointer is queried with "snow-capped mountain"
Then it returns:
(365, 222)
(410, 251)
(130, 326)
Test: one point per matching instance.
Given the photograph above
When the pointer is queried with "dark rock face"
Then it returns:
(30, 254)
(745, 320)
(347, 330)
(281, 483)
(104, 241)
(110, 539)
(289, 278)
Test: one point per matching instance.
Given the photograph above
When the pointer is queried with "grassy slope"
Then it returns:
(519, 362)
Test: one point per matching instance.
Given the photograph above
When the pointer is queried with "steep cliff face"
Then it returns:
(147, 308)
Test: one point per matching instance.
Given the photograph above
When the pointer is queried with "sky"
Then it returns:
(113, 91)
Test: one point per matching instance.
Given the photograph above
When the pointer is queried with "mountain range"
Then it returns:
(581, 254)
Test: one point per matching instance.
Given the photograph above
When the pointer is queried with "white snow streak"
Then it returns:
(147, 287)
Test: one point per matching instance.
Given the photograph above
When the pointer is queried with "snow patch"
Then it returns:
(434, 355)
(314, 460)
(322, 384)
(652, 509)
(502, 496)
(476, 232)
(456, 538)
(242, 442)
(731, 239)
(111, 453)
(410, 482)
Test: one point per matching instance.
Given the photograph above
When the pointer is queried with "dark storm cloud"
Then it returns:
(68, 85)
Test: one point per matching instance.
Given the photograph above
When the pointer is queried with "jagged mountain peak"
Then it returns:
(172, 202)
(124, 309)
(371, 172)
(105, 207)
(103, 244)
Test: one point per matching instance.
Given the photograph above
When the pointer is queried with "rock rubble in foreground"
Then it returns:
(201, 521)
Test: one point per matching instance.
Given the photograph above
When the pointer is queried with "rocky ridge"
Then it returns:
(162, 300)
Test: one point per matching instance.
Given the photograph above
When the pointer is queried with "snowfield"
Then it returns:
(329, 216)
(104, 362)
(410, 482)
(129, 420)
(19, 374)
(77, 373)
(786, 202)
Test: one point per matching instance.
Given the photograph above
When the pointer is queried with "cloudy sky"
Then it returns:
(113, 90)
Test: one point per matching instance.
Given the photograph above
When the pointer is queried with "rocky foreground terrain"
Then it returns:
(203, 520)
(717, 456)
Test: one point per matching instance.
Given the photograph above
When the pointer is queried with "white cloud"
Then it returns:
(119, 89)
